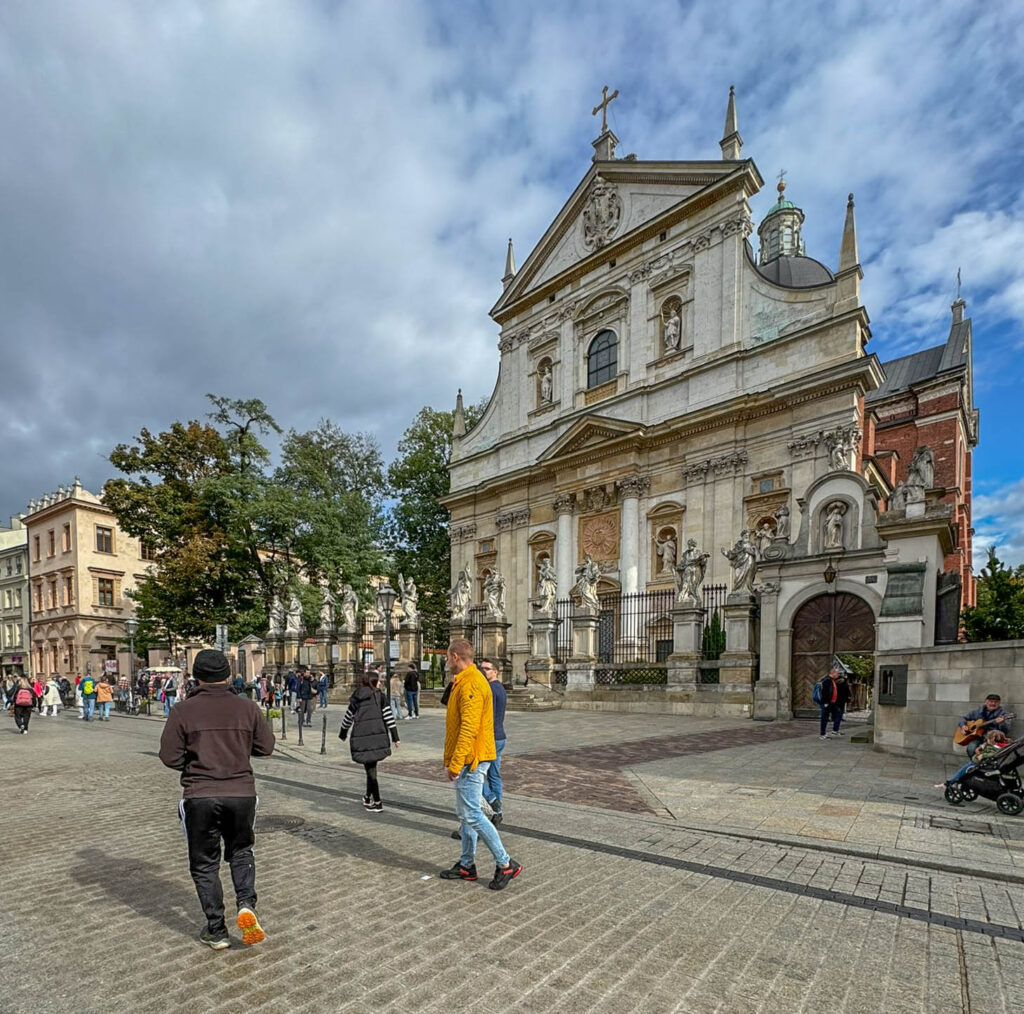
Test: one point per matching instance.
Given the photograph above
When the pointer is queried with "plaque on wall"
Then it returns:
(599, 536)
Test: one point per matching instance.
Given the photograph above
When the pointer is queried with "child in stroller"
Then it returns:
(994, 775)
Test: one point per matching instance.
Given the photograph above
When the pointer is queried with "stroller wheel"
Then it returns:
(968, 793)
(1010, 803)
(954, 794)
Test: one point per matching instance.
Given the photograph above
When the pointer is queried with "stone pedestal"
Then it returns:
(350, 657)
(543, 631)
(461, 630)
(380, 649)
(766, 689)
(494, 638)
(585, 620)
(324, 640)
(687, 635)
(410, 642)
(292, 650)
(274, 658)
(739, 659)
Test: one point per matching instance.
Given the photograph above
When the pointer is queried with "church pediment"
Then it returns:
(612, 203)
(590, 433)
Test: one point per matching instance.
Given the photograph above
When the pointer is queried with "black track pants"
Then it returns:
(208, 820)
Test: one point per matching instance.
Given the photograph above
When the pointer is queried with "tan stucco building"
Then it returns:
(14, 653)
(80, 567)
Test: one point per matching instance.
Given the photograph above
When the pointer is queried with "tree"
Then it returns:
(417, 527)
(999, 614)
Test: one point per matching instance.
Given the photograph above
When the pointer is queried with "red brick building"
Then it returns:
(927, 399)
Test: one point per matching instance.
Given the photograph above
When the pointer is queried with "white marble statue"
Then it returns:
(673, 331)
(545, 385)
(922, 468)
(587, 575)
(494, 594)
(410, 599)
(293, 620)
(277, 618)
(763, 538)
(459, 596)
(547, 586)
(898, 497)
(667, 550)
(742, 558)
(782, 522)
(690, 573)
(349, 607)
(834, 525)
(327, 608)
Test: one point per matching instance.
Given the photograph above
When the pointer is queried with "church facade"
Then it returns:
(662, 380)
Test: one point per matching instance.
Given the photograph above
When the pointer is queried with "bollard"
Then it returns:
(302, 722)
(323, 735)
(284, 728)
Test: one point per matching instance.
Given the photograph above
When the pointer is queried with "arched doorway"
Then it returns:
(825, 626)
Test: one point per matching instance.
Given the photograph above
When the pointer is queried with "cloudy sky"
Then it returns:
(308, 202)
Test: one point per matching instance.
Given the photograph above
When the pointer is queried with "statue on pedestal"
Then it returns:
(349, 607)
(782, 522)
(690, 573)
(277, 618)
(459, 596)
(742, 558)
(764, 537)
(922, 468)
(547, 586)
(410, 599)
(494, 595)
(667, 550)
(587, 575)
(293, 620)
(327, 608)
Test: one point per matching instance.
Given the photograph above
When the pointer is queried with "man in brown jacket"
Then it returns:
(209, 738)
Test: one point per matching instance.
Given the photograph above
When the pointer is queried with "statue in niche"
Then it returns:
(834, 525)
(494, 594)
(547, 586)
(587, 575)
(277, 618)
(922, 468)
(410, 599)
(293, 620)
(782, 522)
(842, 444)
(742, 558)
(898, 497)
(690, 573)
(763, 538)
(459, 596)
(667, 550)
(546, 384)
(673, 327)
(349, 607)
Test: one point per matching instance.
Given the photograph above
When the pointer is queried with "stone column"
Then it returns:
(580, 666)
(565, 556)
(350, 660)
(292, 642)
(737, 670)
(543, 645)
(410, 642)
(766, 689)
(630, 490)
(275, 653)
(687, 633)
(380, 649)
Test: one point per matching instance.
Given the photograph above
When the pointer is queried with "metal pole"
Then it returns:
(302, 722)
(284, 728)
(387, 652)
(131, 669)
(323, 735)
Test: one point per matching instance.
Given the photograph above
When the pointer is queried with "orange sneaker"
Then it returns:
(249, 924)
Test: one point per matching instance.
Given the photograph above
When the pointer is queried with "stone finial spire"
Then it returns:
(959, 305)
(731, 142)
(510, 266)
(459, 419)
(848, 255)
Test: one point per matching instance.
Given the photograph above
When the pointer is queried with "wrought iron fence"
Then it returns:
(477, 615)
(713, 635)
(631, 628)
(627, 675)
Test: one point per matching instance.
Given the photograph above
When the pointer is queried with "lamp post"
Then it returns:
(131, 625)
(386, 596)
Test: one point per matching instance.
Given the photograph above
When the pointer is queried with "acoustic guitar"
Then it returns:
(975, 729)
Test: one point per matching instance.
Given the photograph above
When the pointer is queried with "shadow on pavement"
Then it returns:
(137, 885)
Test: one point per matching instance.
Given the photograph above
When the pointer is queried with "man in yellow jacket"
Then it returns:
(468, 752)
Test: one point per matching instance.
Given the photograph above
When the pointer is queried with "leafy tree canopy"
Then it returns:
(999, 614)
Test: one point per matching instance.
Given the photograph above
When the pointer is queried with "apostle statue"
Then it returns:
(545, 384)
(277, 618)
(293, 620)
(898, 497)
(673, 330)
(922, 468)
(587, 575)
(494, 594)
(742, 558)
(782, 522)
(690, 573)
(547, 586)
(327, 607)
(667, 550)
(834, 525)
(459, 596)
(410, 599)
(349, 607)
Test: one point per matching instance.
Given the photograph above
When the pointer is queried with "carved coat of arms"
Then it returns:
(602, 214)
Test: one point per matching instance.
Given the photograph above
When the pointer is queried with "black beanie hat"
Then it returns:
(211, 666)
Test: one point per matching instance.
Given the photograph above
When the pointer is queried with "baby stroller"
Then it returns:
(996, 777)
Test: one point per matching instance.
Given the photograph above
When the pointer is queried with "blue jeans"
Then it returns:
(169, 700)
(472, 822)
(492, 783)
(103, 709)
(323, 698)
(829, 711)
(87, 705)
(412, 702)
(396, 705)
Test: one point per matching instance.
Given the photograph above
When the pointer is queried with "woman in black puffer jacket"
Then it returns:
(374, 730)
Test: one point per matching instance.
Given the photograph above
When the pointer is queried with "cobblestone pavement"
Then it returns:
(615, 911)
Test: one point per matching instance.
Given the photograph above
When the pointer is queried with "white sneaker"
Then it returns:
(825, 736)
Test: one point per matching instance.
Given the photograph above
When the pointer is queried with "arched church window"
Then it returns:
(602, 359)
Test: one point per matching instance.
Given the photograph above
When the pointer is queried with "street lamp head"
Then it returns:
(131, 625)
(386, 596)
(830, 573)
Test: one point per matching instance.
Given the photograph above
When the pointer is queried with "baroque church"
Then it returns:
(670, 372)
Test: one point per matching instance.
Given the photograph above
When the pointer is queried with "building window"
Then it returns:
(17, 597)
(147, 550)
(9, 568)
(69, 591)
(17, 565)
(66, 546)
(104, 539)
(35, 547)
(51, 542)
(53, 594)
(8, 600)
(39, 598)
(105, 591)
(766, 485)
(602, 359)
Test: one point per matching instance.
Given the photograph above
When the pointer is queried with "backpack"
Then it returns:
(88, 687)
(23, 698)
(818, 693)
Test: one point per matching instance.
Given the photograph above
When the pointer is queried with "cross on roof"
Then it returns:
(603, 106)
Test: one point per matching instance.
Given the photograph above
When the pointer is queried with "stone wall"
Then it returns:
(942, 685)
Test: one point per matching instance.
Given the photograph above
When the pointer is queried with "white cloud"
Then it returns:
(999, 522)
